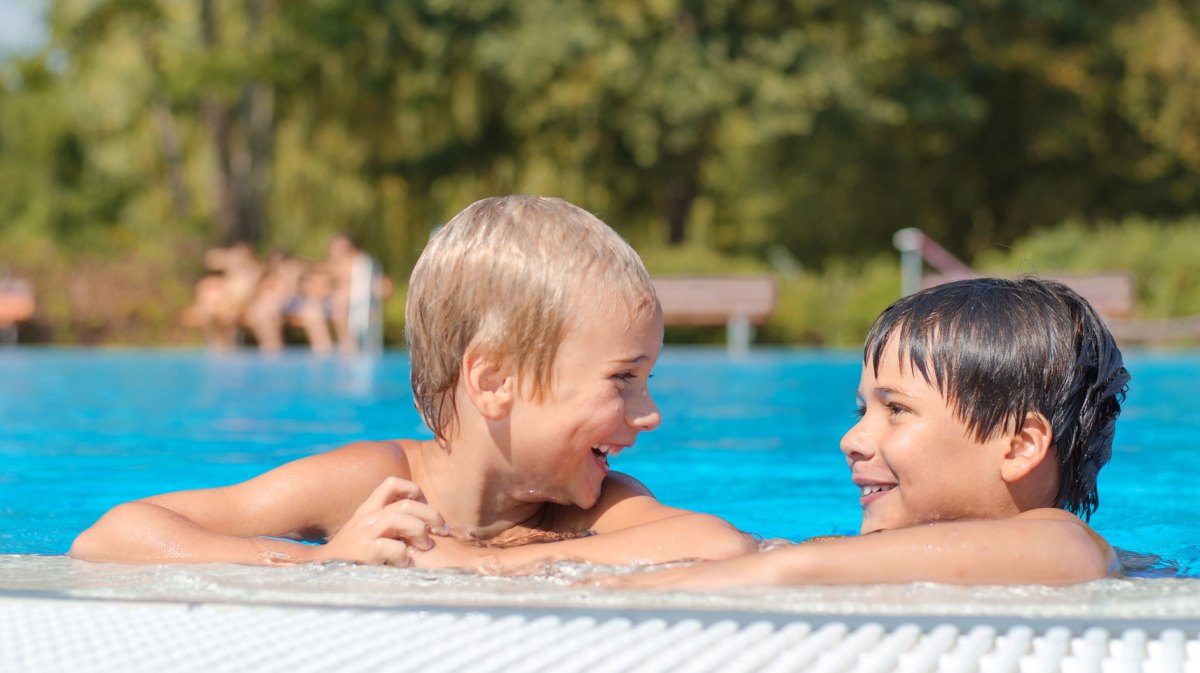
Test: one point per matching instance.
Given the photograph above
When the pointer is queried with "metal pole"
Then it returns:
(908, 242)
(739, 333)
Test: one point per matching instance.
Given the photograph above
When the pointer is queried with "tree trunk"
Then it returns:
(680, 192)
(255, 181)
(168, 131)
(216, 117)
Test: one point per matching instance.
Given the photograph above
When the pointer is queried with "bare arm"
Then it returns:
(629, 526)
(358, 495)
(1039, 547)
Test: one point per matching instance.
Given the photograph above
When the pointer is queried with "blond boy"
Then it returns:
(533, 329)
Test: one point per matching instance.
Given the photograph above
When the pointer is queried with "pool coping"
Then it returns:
(1075, 624)
(48, 630)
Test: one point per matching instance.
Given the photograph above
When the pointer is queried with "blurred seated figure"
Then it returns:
(276, 296)
(366, 291)
(339, 300)
(222, 296)
(310, 308)
(16, 305)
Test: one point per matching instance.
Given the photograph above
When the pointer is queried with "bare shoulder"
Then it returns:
(307, 498)
(619, 486)
(381, 458)
(622, 492)
(623, 502)
(1073, 529)
(1050, 514)
(356, 468)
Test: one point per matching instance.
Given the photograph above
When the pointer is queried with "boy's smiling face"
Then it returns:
(913, 460)
(597, 405)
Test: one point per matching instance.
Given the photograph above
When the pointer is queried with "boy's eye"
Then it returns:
(895, 409)
(625, 376)
(859, 412)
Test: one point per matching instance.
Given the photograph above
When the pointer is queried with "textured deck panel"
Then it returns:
(80, 636)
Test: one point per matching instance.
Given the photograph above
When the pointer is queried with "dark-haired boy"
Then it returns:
(986, 409)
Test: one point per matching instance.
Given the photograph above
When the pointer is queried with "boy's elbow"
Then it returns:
(1085, 569)
(1083, 556)
(720, 539)
(86, 546)
(106, 538)
(1093, 565)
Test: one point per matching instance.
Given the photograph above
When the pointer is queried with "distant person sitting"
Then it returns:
(310, 309)
(332, 297)
(16, 305)
(278, 291)
(222, 296)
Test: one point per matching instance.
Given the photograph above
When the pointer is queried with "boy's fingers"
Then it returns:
(392, 552)
(391, 490)
(431, 521)
(397, 524)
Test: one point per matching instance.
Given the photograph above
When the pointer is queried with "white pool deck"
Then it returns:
(62, 615)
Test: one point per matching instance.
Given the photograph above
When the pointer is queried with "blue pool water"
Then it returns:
(752, 440)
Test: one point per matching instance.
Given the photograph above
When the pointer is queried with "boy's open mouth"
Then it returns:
(872, 492)
(868, 489)
(603, 451)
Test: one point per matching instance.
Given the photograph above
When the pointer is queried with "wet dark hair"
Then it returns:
(999, 349)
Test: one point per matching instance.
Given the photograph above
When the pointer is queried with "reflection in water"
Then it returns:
(1145, 564)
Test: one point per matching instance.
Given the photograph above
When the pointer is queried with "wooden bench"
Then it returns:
(1111, 294)
(16, 305)
(1113, 297)
(736, 302)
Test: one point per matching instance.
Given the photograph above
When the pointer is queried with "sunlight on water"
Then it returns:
(754, 440)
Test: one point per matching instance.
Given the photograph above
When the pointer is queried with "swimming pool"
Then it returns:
(753, 440)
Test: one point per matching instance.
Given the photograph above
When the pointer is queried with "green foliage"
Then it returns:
(831, 306)
(695, 259)
(704, 131)
(1160, 94)
(834, 306)
(1160, 256)
(96, 298)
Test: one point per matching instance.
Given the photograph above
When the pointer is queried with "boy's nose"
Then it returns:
(643, 413)
(855, 444)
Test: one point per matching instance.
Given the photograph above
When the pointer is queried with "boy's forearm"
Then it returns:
(678, 538)
(139, 532)
(979, 552)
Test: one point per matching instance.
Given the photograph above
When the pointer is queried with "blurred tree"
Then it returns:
(997, 118)
(642, 104)
(732, 127)
(144, 20)
(1160, 92)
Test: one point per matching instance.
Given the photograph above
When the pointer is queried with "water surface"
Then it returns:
(751, 440)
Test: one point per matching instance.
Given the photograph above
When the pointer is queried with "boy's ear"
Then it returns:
(489, 385)
(1028, 449)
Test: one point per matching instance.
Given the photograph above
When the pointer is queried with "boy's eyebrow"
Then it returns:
(888, 391)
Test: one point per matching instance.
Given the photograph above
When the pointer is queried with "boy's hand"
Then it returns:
(450, 552)
(391, 522)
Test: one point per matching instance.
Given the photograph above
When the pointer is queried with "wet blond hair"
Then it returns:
(502, 277)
